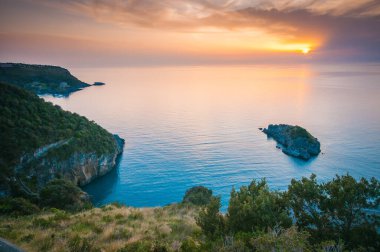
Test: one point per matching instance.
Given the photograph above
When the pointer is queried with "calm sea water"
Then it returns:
(187, 126)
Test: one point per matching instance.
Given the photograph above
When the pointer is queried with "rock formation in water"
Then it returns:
(98, 83)
(294, 140)
(40, 79)
(40, 142)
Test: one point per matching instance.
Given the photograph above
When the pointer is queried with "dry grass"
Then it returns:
(109, 228)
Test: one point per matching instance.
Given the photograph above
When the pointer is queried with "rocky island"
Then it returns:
(294, 140)
(98, 83)
(41, 79)
(41, 142)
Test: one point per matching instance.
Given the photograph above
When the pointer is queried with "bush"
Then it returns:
(189, 245)
(78, 244)
(17, 207)
(256, 208)
(211, 220)
(62, 194)
(282, 240)
(198, 195)
(138, 246)
(338, 209)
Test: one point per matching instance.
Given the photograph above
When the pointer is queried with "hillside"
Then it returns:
(109, 228)
(40, 141)
(40, 79)
(257, 219)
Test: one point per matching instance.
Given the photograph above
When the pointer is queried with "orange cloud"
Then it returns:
(204, 30)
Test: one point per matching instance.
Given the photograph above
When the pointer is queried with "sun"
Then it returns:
(305, 50)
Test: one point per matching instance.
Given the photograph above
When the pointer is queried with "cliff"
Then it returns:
(40, 79)
(294, 140)
(40, 141)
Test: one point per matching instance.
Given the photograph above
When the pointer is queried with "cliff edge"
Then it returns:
(40, 142)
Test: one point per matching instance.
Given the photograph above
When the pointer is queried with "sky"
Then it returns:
(99, 33)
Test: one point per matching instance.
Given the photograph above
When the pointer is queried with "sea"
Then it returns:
(186, 126)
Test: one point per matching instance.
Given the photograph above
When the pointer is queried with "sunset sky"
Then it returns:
(171, 32)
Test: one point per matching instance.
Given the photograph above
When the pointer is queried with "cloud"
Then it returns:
(339, 29)
(193, 13)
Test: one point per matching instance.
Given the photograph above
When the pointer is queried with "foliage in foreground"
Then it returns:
(336, 214)
(58, 193)
(198, 195)
(331, 216)
(110, 228)
(63, 194)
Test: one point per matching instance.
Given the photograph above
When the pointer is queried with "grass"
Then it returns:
(110, 228)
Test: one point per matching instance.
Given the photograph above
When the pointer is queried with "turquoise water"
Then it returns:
(187, 126)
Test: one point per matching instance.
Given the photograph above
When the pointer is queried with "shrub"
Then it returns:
(189, 245)
(338, 209)
(138, 246)
(135, 215)
(282, 240)
(43, 223)
(78, 244)
(256, 208)
(198, 195)
(210, 219)
(121, 234)
(62, 194)
(17, 207)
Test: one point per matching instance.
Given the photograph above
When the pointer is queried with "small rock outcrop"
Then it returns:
(294, 140)
(98, 83)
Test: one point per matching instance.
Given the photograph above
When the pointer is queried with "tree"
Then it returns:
(198, 195)
(338, 210)
(256, 208)
(62, 194)
(305, 197)
(348, 205)
(210, 219)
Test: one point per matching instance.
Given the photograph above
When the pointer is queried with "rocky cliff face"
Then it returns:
(80, 168)
(40, 141)
(294, 140)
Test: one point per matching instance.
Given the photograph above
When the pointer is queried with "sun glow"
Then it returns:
(305, 50)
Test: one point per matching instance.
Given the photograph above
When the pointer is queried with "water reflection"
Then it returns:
(101, 188)
(191, 126)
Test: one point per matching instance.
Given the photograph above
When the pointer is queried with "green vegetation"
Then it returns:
(331, 216)
(255, 208)
(17, 207)
(40, 79)
(109, 228)
(337, 210)
(211, 220)
(62, 194)
(28, 123)
(58, 193)
(298, 131)
(198, 195)
(338, 215)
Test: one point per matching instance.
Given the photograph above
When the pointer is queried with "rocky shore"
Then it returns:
(294, 141)
(41, 142)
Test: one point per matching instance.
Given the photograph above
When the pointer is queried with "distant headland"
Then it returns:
(41, 79)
